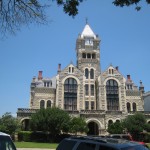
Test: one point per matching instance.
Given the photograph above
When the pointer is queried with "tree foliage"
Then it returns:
(78, 124)
(9, 124)
(135, 124)
(123, 3)
(115, 128)
(53, 120)
(15, 13)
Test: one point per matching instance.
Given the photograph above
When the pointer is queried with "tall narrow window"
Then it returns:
(42, 104)
(128, 107)
(48, 103)
(110, 122)
(92, 89)
(83, 55)
(86, 73)
(92, 73)
(86, 89)
(112, 95)
(134, 106)
(86, 105)
(70, 94)
(92, 105)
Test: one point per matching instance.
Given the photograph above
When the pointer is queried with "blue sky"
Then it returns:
(125, 42)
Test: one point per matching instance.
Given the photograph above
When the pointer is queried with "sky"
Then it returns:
(125, 42)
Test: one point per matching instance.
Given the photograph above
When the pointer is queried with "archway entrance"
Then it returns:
(93, 128)
(25, 124)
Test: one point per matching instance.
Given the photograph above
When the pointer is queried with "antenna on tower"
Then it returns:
(86, 20)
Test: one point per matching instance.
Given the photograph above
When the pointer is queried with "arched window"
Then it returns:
(92, 73)
(134, 106)
(110, 122)
(48, 103)
(86, 73)
(83, 55)
(70, 94)
(118, 121)
(42, 104)
(112, 95)
(128, 107)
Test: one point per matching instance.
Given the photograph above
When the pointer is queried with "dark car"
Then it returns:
(6, 142)
(94, 143)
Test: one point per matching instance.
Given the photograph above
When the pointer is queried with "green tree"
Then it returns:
(53, 120)
(9, 124)
(135, 124)
(123, 3)
(15, 13)
(78, 124)
(115, 128)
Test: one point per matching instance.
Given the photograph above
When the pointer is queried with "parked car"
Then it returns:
(94, 143)
(6, 142)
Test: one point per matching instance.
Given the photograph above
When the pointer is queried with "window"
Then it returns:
(112, 95)
(92, 73)
(134, 106)
(71, 69)
(86, 146)
(83, 55)
(92, 89)
(88, 55)
(48, 103)
(86, 89)
(92, 105)
(42, 104)
(47, 84)
(70, 144)
(86, 73)
(6, 143)
(86, 105)
(110, 122)
(104, 147)
(70, 94)
(93, 56)
(128, 107)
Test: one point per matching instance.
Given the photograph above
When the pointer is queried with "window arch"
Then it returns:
(134, 106)
(112, 95)
(118, 121)
(86, 73)
(48, 103)
(70, 94)
(42, 104)
(92, 73)
(110, 122)
(128, 107)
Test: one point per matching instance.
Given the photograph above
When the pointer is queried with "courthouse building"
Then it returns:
(83, 89)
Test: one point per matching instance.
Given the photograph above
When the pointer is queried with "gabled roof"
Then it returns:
(87, 32)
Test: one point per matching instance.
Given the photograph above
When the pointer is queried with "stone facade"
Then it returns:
(102, 97)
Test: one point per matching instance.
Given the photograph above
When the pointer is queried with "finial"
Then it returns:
(86, 20)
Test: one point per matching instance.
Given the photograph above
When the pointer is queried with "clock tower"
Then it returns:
(88, 51)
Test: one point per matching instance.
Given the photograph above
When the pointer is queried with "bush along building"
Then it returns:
(102, 97)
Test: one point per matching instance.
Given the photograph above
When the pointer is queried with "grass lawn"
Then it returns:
(35, 145)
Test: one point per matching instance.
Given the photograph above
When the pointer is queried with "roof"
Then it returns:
(4, 134)
(87, 32)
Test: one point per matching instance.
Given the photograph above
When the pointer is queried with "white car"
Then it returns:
(6, 142)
